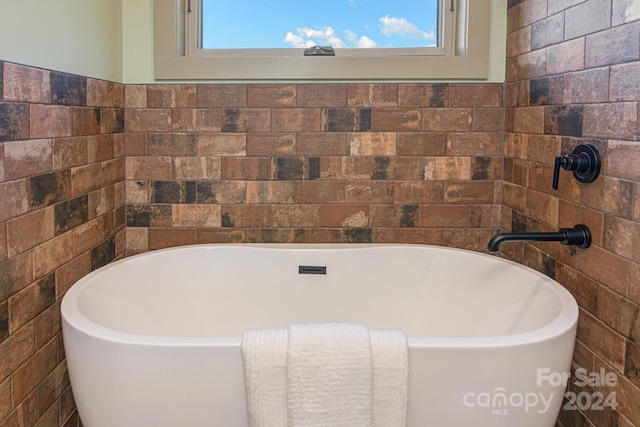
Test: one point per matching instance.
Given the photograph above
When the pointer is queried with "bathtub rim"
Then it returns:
(565, 322)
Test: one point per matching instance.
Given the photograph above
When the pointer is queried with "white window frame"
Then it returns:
(464, 53)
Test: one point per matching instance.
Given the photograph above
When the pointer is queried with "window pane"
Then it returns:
(255, 24)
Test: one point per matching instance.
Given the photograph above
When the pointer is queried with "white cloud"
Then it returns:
(326, 36)
(352, 3)
(391, 26)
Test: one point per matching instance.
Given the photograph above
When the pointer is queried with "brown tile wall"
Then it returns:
(313, 163)
(573, 76)
(62, 214)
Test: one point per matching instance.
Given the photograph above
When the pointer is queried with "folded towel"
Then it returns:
(326, 374)
(329, 375)
(264, 353)
(390, 377)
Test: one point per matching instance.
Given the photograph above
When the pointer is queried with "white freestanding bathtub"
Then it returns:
(154, 340)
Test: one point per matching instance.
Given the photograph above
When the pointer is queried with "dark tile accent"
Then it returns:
(549, 265)
(47, 288)
(347, 119)
(364, 119)
(14, 121)
(71, 213)
(112, 120)
(382, 164)
(520, 223)
(138, 216)
(546, 90)
(231, 120)
(148, 215)
(49, 188)
(481, 167)
(226, 220)
(563, 120)
(513, 3)
(409, 215)
(4, 321)
(313, 171)
(439, 93)
(357, 235)
(289, 168)
(173, 191)
(68, 89)
(104, 253)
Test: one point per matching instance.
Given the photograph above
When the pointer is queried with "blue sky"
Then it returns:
(235, 24)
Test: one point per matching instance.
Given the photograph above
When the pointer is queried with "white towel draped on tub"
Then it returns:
(326, 374)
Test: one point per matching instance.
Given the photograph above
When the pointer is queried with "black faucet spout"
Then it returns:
(579, 235)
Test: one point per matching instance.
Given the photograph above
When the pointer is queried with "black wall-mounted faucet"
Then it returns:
(579, 235)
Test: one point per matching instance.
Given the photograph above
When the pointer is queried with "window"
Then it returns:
(372, 39)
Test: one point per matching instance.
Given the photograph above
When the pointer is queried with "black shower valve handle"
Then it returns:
(584, 162)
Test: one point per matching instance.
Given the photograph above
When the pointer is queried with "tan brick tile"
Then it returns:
(29, 230)
(85, 179)
(455, 216)
(488, 120)
(531, 64)
(246, 120)
(52, 254)
(472, 144)
(321, 144)
(447, 119)
(344, 215)
(221, 96)
(295, 216)
(135, 96)
(147, 120)
(101, 93)
(372, 95)
(47, 121)
(270, 191)
(369, 192)
(160, 238)
(413, 192)
(271, 144)
(605, 267)
(71, 272)
(196, 168)
(253, 168)
(24, 158)
(394, 215)
(371, 143)
(31, 301)
(570, 214)
(246, 215)
(196, 120)
(613, 121)
(26, 84)
(476, 192)
(171, 96)
(16, 349)
(475, 95)
(148, 168)
(271, 95)
(395, 119)
(622, 158)
(220, 235)
(296, 120)
(225, 144)
(447, 168)
(434, 95)
(204, 216)
(322, 95)
(421, 143)
(28, 376)
(319, 192)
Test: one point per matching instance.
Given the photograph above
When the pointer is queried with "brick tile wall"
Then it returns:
(313, 163)
(573, 77)
(62, 215)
